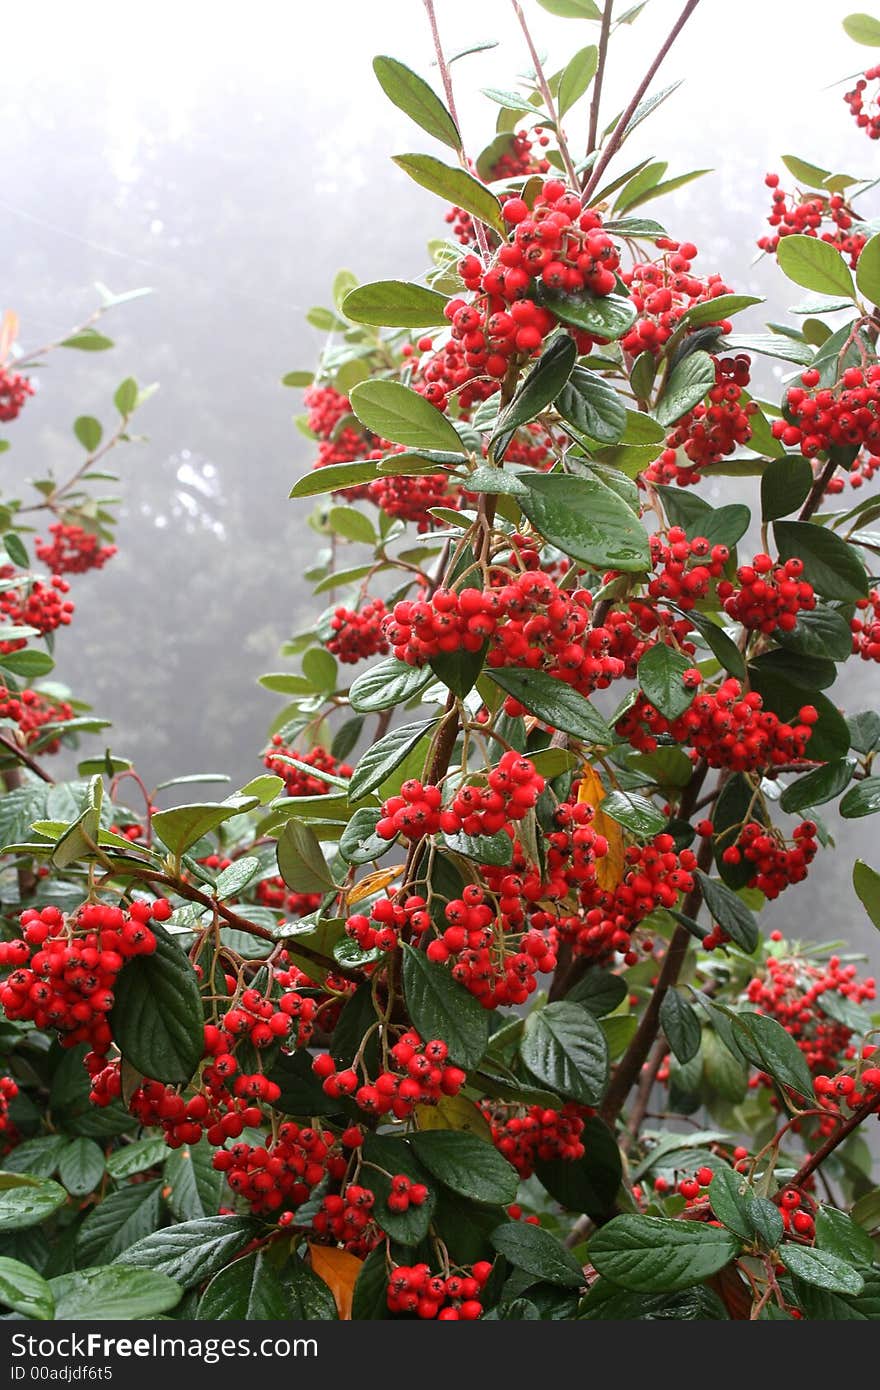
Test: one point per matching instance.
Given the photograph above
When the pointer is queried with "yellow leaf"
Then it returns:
(374, 883)
(339, 1270)
(454, 1112)
(609, 870)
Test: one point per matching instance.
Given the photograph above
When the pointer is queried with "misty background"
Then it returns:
(233, 159)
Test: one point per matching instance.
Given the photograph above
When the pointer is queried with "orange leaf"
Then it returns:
(339, 1270)
(374, 883)
(609, 870)
(8, 333)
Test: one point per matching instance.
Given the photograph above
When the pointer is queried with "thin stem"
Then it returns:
(619, 131)
(604, 36)
(818, 1158)
(446, 78)
(25, 758)
(817, 491)
(546, 93)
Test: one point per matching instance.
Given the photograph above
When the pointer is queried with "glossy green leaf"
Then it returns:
(767, 1045)
(380, 760)
(157, 1014)
(248, 1290)
(25, 1291)
(565, 1049)
(467, 1165)
(110, 1293)
(661, 676)
(454, 186)
(680, 1024)
(830, 564)
(587, 521)
(815, 264)
(651, 1254)
(558, 704)
(539, 1253)
(822, 1269)
(395, 304)
(193, 1250)
(441, 1008)
(396, 412)
(729, 911)
(411, 94)
(688, 383)
(785, 484)
(592, 406)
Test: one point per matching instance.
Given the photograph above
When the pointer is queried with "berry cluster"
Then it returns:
(533, 1135)
(708, 433)
(263, 1022)
(515, 162)
(31, 603)
(296, 781)
(790, 989)
(663, 291)
(450, 1298)
(494, 965)
(274, 892)
(555, 246)
(282, 1172)
(357, 635)
(411, 498)
(64, 969)
(864, 108)
(847, 415)
(826, 216)
(512, 789)
(729, 728)
(14, 391)
(8, 1092)
(32, 711)
(776, 865)
(865, 627)
(527, 621)
(421, 1076)
(770, 597)
(387, 922)
(348, 1219)
(685, 569)
(73, 550)
(834, 1091)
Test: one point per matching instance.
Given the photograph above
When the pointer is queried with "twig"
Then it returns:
(546, 93)
(620, 129)
(818, 1158)
(25, 758)
(604, 35)
(646, 1085)
(446, 78)
(817, 491)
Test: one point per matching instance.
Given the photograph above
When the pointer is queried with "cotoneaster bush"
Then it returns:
(461, 1008)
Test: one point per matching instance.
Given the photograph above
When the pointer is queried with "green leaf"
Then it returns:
(592, 406)
(728, 1195)
(359, 843)
(823, 632)
(157, 1015)
(395, 304)
(576, 78)
(830, 736)
(729, 911)
(38, 1158)
(719, 309)
(193, 1186)
(564, 1047)
(121, 1219)
(536, 1251)
(26, 1200)
(587, 521)
(660, 674)
(588, 1184)
(538, 388)
(785, 484)
(868, 269)
(334, 478)
(658, 190)
(688, 384)
(301, 862)
(720, 645)
(810, 175)
(821, 785)
(182, 826)
(821, 1269)
(572, 9)
(839, 1235)
(862, 800)
(192, 1251)
(650, 1254)
(441, 1008)
(866, 882)
(863, 28)
(412, 95)
(81, 1167)
(109, 1294)
(25, 1291)
(248, 1290)
(599, 991)
(815, 264)
(483, 849)
(766, 1221)
(89, 432)
(380, 760)
(398, 413)
(126, 396)
(454, 186)
(552, 700)
(309, 1298)
(636, 812)
(467, 1165)
(830, 564)
(28, 661)
(370, 1299)
(605, 316)
(680, 1024)
(388, 684)
(393, 1155)
(87, 340)
(766, 1044)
